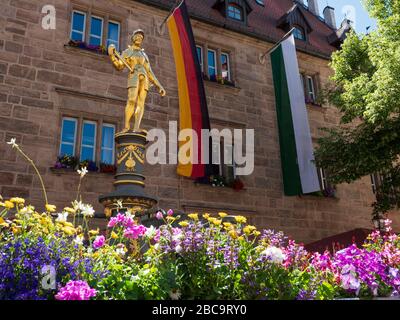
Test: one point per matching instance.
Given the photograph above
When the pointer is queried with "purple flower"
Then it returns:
(159, 215)
(135, 232)
(76, 290)
(99, 242)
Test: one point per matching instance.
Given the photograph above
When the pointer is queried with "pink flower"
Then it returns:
(170, 212)
(112, 223)
(135, 232)
(159, 215)
(76, 290)
(99, 242)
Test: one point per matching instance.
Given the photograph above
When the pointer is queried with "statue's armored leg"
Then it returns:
(140, 109)
(130, 107)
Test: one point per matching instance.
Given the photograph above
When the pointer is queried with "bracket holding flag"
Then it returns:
(262, 56)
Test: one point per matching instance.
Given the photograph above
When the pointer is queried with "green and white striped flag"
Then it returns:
(297, 153)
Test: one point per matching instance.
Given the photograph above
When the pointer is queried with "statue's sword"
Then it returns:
(123, 60)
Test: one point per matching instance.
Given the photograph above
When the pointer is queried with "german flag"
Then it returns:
(193, 111)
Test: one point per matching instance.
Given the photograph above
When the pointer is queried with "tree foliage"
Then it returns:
(366, 89)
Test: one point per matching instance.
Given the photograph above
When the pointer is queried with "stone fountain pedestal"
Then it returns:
(129, 181)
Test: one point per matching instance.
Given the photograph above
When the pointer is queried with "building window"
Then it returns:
(78, 26)
(113, 34)
(68, 137)
(225, 65)
(212, 65)
(107, 144)
(235, 12)
(200, 57)
(299, 34)
(96, 31)
(260, 2)
(311, 88)
(88, 146)
(223, 161)
(101, 31)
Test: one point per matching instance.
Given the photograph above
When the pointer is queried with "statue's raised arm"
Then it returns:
(140, 77)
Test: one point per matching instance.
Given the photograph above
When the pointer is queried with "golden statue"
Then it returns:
(141, 77)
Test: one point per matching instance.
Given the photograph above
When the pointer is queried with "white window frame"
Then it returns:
(84, 24)
(105, 148)
(374, 184)
(119, 33)
(324, 179)
(228, 64)
(233, 164)
(75, 134)
(95, 139)
(102, 29)
(311, 90)
(237, 8)
(201, 56)
(215, 63)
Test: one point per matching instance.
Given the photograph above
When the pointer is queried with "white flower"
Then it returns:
(151, 232)
(175, 294)
(274, 254)
(350, 282)
(135, 278)
(178, 249)
(78, 240)
(120, 205)
(13, 142)
(62, 217)
(83, 172)
(27, 210)
(78, 205)
(120, 250)
(88, 211)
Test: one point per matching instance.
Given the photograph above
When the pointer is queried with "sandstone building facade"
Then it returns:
(52, 89)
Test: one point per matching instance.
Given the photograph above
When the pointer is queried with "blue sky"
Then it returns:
(355, 11)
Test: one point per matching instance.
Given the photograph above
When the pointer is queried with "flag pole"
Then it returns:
(176, 5)
(287, 35)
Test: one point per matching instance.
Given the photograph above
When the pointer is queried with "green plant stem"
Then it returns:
(37, 172)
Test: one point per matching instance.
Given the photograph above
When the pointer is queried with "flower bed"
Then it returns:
(203, 257)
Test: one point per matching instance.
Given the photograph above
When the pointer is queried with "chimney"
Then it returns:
(313, 6)
(329, 15)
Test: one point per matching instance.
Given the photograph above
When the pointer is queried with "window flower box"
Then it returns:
(83, 45)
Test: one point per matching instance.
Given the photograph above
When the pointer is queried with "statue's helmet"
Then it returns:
(138, 31)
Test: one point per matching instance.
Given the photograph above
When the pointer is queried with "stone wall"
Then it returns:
(42, 79)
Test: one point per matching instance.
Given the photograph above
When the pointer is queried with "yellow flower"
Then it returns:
(17, 200)
(222, 214)
(240, 219)
(249, 229)
(216, 222)
(69, 210)
(3, 223)
(8, 204)
(256, 233)
(233, 234)
(206, 216)
(15, 230)
(241, 238)
(50, 208)
(184, 224)
(228, 225)
(171, 219)
(114, 235)
(194, 216)
(70, 231)
(94, 232)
